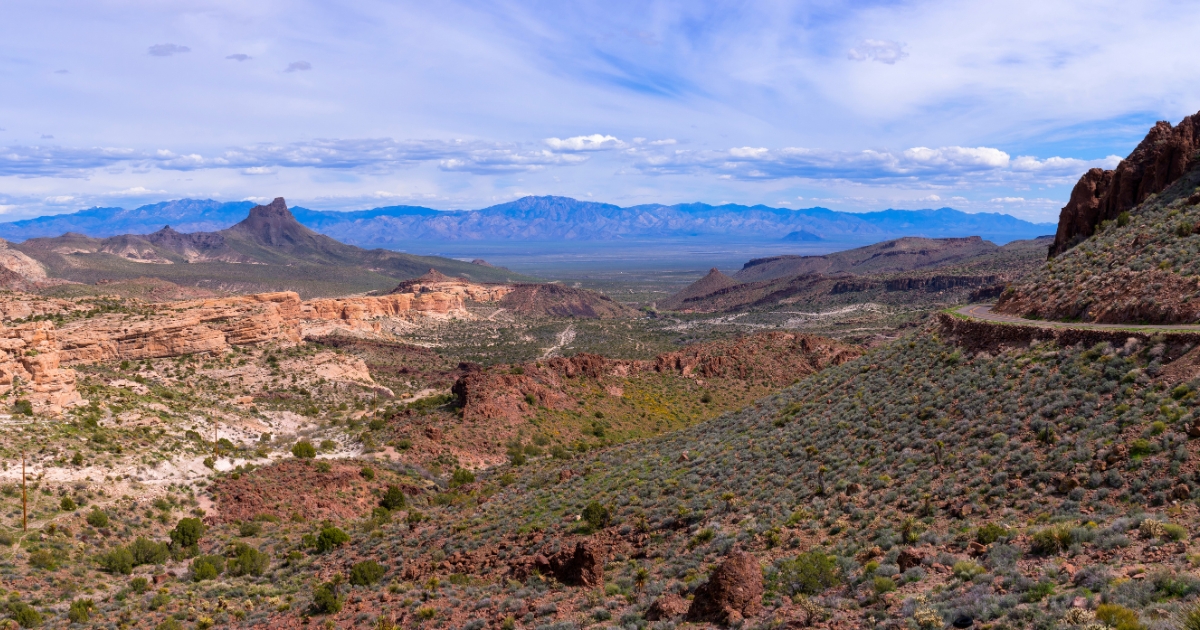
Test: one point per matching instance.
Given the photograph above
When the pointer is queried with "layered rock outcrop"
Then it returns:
(30, 367)
(1162, 157)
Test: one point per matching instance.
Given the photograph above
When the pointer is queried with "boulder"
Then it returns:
(909, 558)
(732, 593)
(666, 607)
(584, 566)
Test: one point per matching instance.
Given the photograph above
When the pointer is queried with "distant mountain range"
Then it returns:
(548, 219)
(266, 250)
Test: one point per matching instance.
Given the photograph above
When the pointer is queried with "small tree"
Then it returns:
(185, 538)
(67, 504)
(596, 515)
(393, 498)
(304, 450)
(330, 538)
(366, 573)
(325, 597)
(461, 477)
(97, 518)
(81, 610)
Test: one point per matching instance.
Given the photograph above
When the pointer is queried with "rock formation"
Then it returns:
(711, 283)
(668, 606)
(555, 300)
(1161, 158)
(732, 593)
(29, 367)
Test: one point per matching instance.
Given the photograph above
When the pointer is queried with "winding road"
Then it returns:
(984, 312)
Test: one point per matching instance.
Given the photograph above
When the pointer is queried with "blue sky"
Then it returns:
(848, 105)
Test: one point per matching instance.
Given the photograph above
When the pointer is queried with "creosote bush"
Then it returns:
(304, 450)
(366, 573)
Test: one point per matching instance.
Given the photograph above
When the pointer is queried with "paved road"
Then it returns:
(984, 312)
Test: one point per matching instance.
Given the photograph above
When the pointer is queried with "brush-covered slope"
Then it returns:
(712, 282)
(268, 251)
(1140, 267)
(906, 272)
(934, 487)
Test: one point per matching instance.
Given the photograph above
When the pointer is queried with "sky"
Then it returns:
(855, 106)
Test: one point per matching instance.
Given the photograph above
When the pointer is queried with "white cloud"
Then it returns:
(257, 170)
(6, 208)
(1008, 200)
(594, 142)
(881, 50)
(166, 50)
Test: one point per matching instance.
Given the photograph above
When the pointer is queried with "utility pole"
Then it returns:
(24, 497)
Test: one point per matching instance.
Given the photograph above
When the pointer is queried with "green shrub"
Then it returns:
(1051, 540)
(1139, 448)
(808, 574)
(325, 599)
(367, 473)
(990, 533)
(461, 477)
(366, 573)
(596, 515)
(1173, 531)
(24, 614)
(247, 529)
(170, 623)
(139, 585)
(118, 560)
(23, 408)
(1189, 619)
(1039, 591)
(97, 518)
(1118, 617)
(304, 450)
(67, 504)
(81, 610)
(187, 533)
(146, 551)
(883, 585)
(330, 538)
(965, 570)
(246, 560)
(324, 467)
(207, 567)
(393, 498)
(43, 559)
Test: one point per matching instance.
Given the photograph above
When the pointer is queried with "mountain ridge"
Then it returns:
(546, 218)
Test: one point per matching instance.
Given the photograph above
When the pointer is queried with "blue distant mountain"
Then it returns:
(548, 219)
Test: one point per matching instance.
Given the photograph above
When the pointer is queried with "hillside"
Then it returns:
(1138, 265)
(551, 219)
(267, 251)
(912, 272)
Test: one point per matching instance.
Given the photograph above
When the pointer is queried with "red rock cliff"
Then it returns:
(1163, 156)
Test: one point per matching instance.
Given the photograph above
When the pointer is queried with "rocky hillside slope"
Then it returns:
(1139, 267)
(905, 271)
(1164, 155)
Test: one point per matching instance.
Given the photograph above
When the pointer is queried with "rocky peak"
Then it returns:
(273, 224)
(1166, 153)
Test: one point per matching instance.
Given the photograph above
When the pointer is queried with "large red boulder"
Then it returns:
(732, 593)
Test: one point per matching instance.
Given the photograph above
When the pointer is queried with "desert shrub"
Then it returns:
(393, 498)
(139, 585)
(461, 477)
(1039, 591)
(304, 450)
(118, 560)
(1189, 619)
(97, 518)
(247, 529)
(366, 573)
(246, 560)
(966, 570)
(330, 538)
(1173, 531)
(595, 515)
(1118, 617)
(81, 610)
(325, 599)
(367, 473)
(808, 574)
(24, 614)
(1051, 540)
(67, 504)
(324, 467)
(170, 623)
(187, 533)
(990, 533)
(207, 567)
(146, 551)
(883, 585)
(23, 408)
(43, 559)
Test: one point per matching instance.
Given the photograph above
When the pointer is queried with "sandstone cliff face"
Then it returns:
(213, 325)
(30, 365)
(1162, 157)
